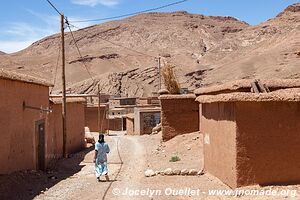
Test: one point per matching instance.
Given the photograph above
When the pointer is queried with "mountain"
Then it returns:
(122, 55)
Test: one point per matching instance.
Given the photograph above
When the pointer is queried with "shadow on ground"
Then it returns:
(25, 185)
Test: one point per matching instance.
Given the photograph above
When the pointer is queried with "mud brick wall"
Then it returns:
(75, 128)
(91, 118)
(18, 142)
(130, 126)
(248, 143)
(179, 115)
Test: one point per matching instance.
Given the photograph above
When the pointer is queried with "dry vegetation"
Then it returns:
(170, 79)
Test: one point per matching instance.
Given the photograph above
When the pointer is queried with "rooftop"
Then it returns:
(280, 90)
(69, 100)
(245, 86)
(177, 96)
(10, 75)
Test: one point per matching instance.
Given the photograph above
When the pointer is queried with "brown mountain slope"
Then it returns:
(206, 50)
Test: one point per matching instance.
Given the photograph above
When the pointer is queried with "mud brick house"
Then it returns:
(142, 101)
(24, 102)
(122, 101)
(145, 119)
(179, 115)
(75, 126)
(251, 138)
(92, 117)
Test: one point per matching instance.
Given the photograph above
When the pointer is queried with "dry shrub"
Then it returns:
(170, 79)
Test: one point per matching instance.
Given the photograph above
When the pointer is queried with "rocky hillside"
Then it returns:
(122, 55)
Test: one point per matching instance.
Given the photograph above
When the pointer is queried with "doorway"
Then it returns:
(40, 136)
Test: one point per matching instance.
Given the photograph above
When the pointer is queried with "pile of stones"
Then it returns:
(175, 172)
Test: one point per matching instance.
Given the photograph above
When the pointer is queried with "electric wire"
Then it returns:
(79, 53)
(130, 14)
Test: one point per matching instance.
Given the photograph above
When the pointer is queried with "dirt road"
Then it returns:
(130, 156)
(126, 164)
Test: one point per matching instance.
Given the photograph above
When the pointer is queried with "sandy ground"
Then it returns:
(74, 178)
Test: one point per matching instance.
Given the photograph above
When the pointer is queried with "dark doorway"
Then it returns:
(40, 135)
(124, 124)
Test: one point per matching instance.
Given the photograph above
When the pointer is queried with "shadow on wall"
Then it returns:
(25, 185)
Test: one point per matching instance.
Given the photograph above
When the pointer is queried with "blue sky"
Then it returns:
(23, 22)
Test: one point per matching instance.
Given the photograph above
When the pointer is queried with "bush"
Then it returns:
(170, 79)
(174, 159)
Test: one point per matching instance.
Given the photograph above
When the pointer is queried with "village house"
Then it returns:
(93, 119)
(179, 115)
(75, 126)
(251, 138)
(122, 101)
(145, 119)
(24, 108)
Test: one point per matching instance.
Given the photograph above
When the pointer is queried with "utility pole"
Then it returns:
(99, 108)
(159, 76)
(64, 102)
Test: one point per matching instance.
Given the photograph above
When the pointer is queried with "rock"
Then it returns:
(184, 172)
(162, 173)
(157, 173)
(193, 172)
(176, 171)
(157, 128)
(163, 91)
(200, 173)
(149, 173)
(189, 148)
(168, 172)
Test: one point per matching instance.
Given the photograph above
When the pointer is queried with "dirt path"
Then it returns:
(83, 185)
(76, 178)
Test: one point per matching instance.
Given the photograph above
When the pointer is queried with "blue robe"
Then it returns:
(101, 160)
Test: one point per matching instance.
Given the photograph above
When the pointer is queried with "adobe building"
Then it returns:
(24, 107)
(144, 101)
(145, 119)
(91, 99)
(122, 101)
(251, 138)
(179, 115)
(92, 117)
(75, 125)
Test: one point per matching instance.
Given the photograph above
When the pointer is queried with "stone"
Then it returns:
(168, 172)
(157, 173)
(200, 173)
(149, 173)
(189, 148)
(193, 172)
(163, 91)
(184, 172)
(176, 171)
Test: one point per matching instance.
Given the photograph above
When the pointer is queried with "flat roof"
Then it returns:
(245, 85)
(120, 98)
(177, 96)
(14, 76)
(68, 100)
(289, 95)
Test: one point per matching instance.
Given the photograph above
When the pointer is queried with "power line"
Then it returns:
(130, 14)
(138, 52)
(51, 4)
(78, 50)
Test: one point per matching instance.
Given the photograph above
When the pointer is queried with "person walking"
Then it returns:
(100, 158)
